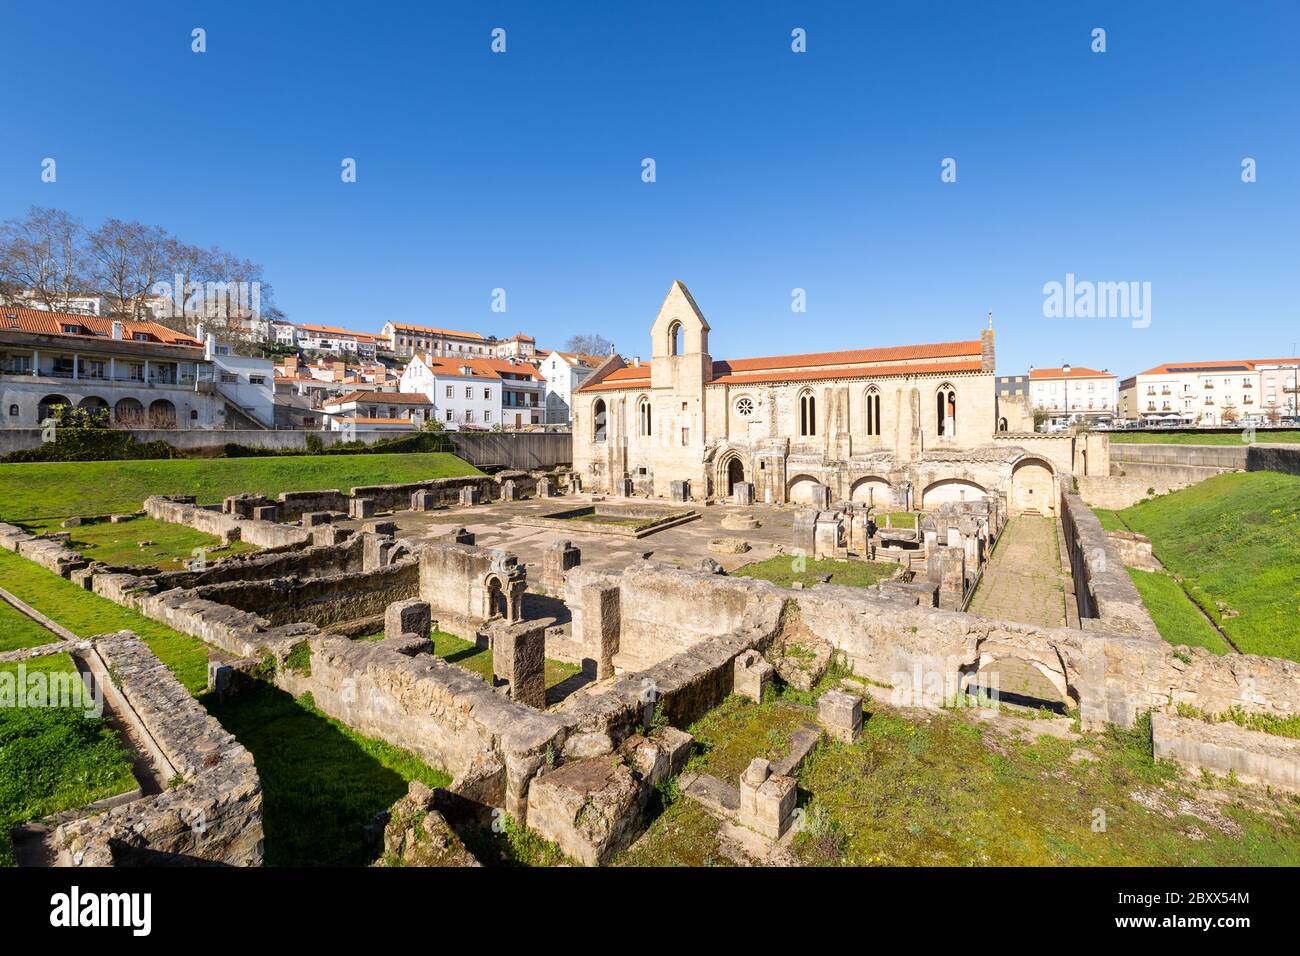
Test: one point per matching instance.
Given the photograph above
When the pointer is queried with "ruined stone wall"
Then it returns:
(320, 560)
(227, 527)
(321, 600)
(213, 811)
(1266, 457)
(1104, 589)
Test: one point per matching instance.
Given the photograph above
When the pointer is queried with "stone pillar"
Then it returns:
(767, 799)
(314, 519)
(841, 714)
(679, 490)
(408, 617)
(821, 497)
(599, 618)
(469, 495)
(947, 568)
(265, 513)
(556, 562)
(752, 676)
(375, 551)
(544, 489)
(623, 487)
(422, 501)
(380, 527)
(361, 507)
(742, 493)
(519, 659)
(327, 534)
(509, 490)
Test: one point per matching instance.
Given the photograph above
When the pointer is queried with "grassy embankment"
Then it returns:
(785, 569)
(142, 542)
(52, 758)
(59, 489)
(1234, 543)
(1285, 436)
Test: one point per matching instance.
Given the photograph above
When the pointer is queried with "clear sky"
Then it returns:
(775, 170)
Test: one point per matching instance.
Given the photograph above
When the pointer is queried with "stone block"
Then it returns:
(591, 808)
(679, 490)
(361, 507)
(120, 519)
(557, 560)
(327, 534)
(767, 800)
(460, 536)
(545, 488)
(753, 675)
(408, 617)
(73, 522)
(841, 714)
(623, 487)
(422, 501)
(381, 527)
(314, 519)
(509, 490)
(519, 659)
(265, 513)
(742, 493)
(469, 495)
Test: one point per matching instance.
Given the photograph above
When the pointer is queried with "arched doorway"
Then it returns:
(951, 489)
(1032, 487)
(128, 411)
(162, 414)
(802, 490)
(497, 606)
(44, 409)
(1021, 680)
(735, 474)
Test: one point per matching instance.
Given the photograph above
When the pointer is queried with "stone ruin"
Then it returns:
(663, 644)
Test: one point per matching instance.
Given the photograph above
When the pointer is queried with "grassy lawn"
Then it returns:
(1177, 619)
(119, 544)
(53, 758)
(1234, 540)
(59, 489)
(470, 656)
(949, 790)
(321, 781)
(17, 630)
(782, 570)
(1287, 436)
(897, 519)
(1110, 520)
(87, 614)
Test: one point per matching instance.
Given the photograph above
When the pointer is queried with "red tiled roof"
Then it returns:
(1237, 365)
(482, 367)
(893, 354)
(377, 421)
(380, 398)
(1076, 371)
(850, 371)
(406, 327)
(51, 323)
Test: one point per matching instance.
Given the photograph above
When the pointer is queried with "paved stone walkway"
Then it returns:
(1023, 580)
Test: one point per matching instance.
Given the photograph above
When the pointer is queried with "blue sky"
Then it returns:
(775, 170)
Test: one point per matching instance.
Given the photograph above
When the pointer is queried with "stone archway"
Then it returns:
(1021, 680)
(802, 490)
(951, 489)
(731, 473)
(1032, 488)
(871, 490)
(162, 413)
(44, 408)
(497, 603)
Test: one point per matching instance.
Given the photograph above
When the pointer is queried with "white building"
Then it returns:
(1213, 393)
(1073, 393)
(564, 372)
(378, 411)
(408, 340)
(330, 338)
(477, 393)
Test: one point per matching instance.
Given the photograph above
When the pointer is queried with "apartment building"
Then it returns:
(1073, 392)
(407, 340)
(143, 373)
(1211, 393)
(477, 393)
(337, 341)
(564, 372)
(378, 411)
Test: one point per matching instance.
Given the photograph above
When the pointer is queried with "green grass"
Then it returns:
(949, 790)
(54, 758)
(60, 489)
(1280, 436)
(17, 630)
(781, 570)
(1234, 540)
(1110, 520)
(1177, 618)
(321, 781)
(119, 544)
(87, 614)
(470, 656)
(897, 519)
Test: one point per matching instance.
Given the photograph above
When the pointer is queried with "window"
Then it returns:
(257, 380)
(745, 407)
(194, 414)
(487, 394)
(644, 416)
(686, 437)
(469, 392)
(946, 409)
(229, 377)
(469, 415)
(873, 411)
(807, 415)
(598, 420)
(487, 416)
(13, 411)
(449, 414)
(675, 339)
(449, 391)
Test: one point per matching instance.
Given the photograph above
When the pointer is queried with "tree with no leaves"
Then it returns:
(590, 344)
(43, 253)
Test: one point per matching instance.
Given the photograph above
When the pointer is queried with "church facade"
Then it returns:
(899, 427)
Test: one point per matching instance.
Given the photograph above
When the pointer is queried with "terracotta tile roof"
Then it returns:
(817, 366)
(52, 323)
(377, 421)
(482, 367)
(1076, 371)
(406, 327)
(381, 398)
(1225, 365)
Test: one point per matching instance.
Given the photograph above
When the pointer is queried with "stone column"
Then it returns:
(408, 617)
(519, 659)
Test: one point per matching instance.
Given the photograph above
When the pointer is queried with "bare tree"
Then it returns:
(43, 253)
(589, 345)
(128, 259)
